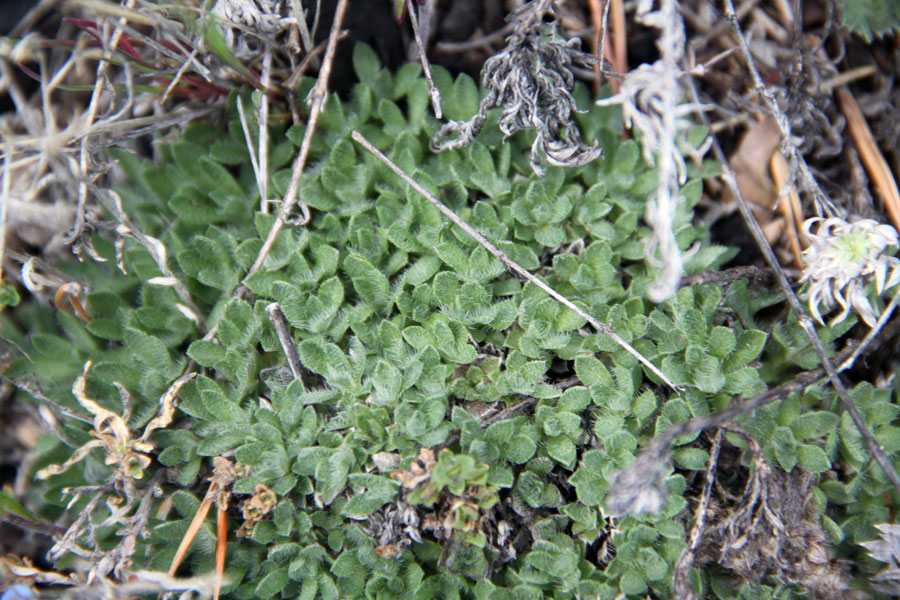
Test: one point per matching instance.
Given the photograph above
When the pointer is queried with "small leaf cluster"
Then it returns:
(410, 335)
(871, 18)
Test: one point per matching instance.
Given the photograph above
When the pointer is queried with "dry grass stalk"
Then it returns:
(681, 586)
(789, 204)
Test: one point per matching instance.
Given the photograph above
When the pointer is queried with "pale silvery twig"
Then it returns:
(841, 260)
(650, 99)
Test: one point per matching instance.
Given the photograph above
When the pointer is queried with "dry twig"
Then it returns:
(276, 315)
(433, 92)
(317, 97)
(882, 178)
(681, 587)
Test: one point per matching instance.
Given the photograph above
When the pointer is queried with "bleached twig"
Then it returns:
(433, 92)
(680, 584)
(822, 203)
(276, 315)
(317, 97)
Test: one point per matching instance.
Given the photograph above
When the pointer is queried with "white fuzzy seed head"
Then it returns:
(841, 260)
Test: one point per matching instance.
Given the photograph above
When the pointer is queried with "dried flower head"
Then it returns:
(841, 259)
(886, 550)
(530, 81)
(126, 453)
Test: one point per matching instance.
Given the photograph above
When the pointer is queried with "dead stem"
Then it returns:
(879, 325)
(433, 92)
(263, 121)
(483, 42)
(681, 586)
(317, 97)
(821, 202)
(872, 158)
(276, 315)
(158, 251)
(93, 107)
(510, 263)
(303, 30)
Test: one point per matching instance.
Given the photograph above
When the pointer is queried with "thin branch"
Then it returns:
(821, 201)
(300, 16)
(433, 92)
(483, 42)
(91, 113)
(29, 525)
(30, 388)
(758, 275)
(879, 325)
(879, 171)
(276, 315)
(158, 251)
(681, 587)
(317, 97)
(510, 263)
(5, 178)
(254, 163)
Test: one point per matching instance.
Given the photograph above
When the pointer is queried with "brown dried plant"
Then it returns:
(772, 529)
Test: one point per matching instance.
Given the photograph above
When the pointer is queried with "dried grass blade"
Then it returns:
(882, 179)
(317, 97)
(221, 545)
(192, 530)
(789, 204)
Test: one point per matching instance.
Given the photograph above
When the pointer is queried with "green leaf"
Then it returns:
(561, 449)
(519, 449)
(9, 297)
(217, 403)
(272, 583)
(871, 18)
(465, 99)
(812, 458)
(721, 341)
(422, 270)
(785, 448)
(365, 63)
(207, 354)
(694, 459)
(331, 474)
(9, 504)
(749, 344)
(814, 425)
